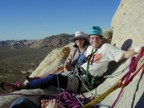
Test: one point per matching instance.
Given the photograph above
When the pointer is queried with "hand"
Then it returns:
(52, 104)
(45, 103)
(49, 104)
(137, 49)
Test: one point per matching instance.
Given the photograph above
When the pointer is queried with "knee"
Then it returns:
(52, 76)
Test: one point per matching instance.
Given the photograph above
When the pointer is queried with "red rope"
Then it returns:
(127, 77)
(131, 78)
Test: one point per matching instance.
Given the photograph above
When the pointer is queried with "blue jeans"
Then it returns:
(56, 80)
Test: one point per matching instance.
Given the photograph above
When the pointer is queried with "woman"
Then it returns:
(77, 55)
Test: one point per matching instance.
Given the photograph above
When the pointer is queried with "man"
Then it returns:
(98, 54)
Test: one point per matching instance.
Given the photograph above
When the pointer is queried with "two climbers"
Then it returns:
(98, 54)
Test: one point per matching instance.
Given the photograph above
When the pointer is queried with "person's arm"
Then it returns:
(68, 62)
(116, 54)
(66, 68)
(129, 53)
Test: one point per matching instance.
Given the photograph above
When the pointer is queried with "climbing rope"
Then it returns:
(127, 81)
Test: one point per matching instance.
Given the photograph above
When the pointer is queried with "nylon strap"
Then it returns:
(87, 70)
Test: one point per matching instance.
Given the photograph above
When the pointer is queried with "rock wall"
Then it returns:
(128, 22)
(53, 60)
(128, 26)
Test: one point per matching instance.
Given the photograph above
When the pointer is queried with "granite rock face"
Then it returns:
(53, 60)
(128, 23)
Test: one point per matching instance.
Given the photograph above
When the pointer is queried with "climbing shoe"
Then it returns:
(10, 87)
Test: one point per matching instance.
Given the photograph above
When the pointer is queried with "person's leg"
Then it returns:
(50, 80)
(56, 80)
(23, 103)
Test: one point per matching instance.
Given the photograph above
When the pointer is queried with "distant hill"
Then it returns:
(53, 41)
(16, 43)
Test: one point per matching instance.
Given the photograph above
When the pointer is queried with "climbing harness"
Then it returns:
(85, 77)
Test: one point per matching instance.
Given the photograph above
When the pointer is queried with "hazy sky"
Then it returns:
(36, 19)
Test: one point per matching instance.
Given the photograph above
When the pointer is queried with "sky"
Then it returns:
(37, 19)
